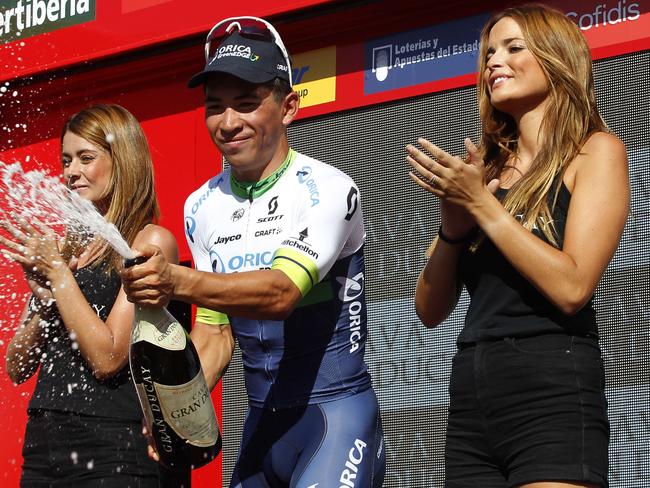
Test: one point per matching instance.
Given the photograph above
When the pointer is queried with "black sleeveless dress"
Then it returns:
(505, 304)
(80, 428)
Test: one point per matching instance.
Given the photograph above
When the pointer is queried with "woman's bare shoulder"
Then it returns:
(161, 237)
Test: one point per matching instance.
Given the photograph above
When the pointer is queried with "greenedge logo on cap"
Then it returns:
(20, 19)
(235, 51)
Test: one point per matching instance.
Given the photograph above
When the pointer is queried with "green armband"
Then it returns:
(298, 268)
(211, 317)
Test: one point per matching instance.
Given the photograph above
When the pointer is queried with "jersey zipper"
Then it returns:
(263, 342)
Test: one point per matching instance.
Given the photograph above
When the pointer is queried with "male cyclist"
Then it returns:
(277, 239)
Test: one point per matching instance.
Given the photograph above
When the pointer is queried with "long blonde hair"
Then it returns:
(570, 117)
(130, 192)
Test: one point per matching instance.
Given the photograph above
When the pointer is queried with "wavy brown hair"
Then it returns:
(571, 115)
(130, 194)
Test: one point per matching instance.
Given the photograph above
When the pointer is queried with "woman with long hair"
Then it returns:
(530, 220)
(84, 419)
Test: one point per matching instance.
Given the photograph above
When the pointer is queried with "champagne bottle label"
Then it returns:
(150, 405)
(188, 410)
(170, 335)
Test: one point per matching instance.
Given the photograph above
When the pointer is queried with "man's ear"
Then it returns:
(290, 106)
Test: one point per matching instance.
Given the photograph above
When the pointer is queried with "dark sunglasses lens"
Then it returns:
(256, 32)
(253, 30)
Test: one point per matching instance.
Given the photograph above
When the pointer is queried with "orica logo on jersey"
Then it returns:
(351, 289)
(190, 227)
(202, 198)
(304, 177)
(190, 223)
(240, 262)
(355, 457)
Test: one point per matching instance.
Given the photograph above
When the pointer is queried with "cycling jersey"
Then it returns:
(305, 220)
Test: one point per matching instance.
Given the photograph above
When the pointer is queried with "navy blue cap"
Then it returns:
(252, 60)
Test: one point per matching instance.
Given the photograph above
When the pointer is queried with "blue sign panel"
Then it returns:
(419, 56)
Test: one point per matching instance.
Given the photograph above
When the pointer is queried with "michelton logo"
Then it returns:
(20, 19)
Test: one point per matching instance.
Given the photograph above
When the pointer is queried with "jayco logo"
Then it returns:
(227, 239)
(32, 17)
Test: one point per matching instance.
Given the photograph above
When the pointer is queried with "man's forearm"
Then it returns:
(262, 294)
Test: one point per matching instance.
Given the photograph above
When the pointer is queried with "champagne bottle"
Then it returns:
(173, 394)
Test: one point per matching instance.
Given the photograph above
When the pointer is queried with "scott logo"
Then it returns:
(190, 227)
(353, 202)
(273, 205)
(349, 474)
(270, 218)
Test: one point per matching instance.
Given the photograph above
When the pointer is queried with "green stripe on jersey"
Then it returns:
(300, 269)
(322, 292)
(255, 189)
(211, 317)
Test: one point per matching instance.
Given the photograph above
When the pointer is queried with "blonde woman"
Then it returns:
(530, 221)
(84, 426)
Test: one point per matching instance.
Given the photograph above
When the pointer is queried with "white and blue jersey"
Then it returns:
(305, 220)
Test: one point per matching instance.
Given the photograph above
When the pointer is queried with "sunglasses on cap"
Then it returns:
(249, 27)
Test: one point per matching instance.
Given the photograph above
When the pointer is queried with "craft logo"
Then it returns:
(25, 18)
